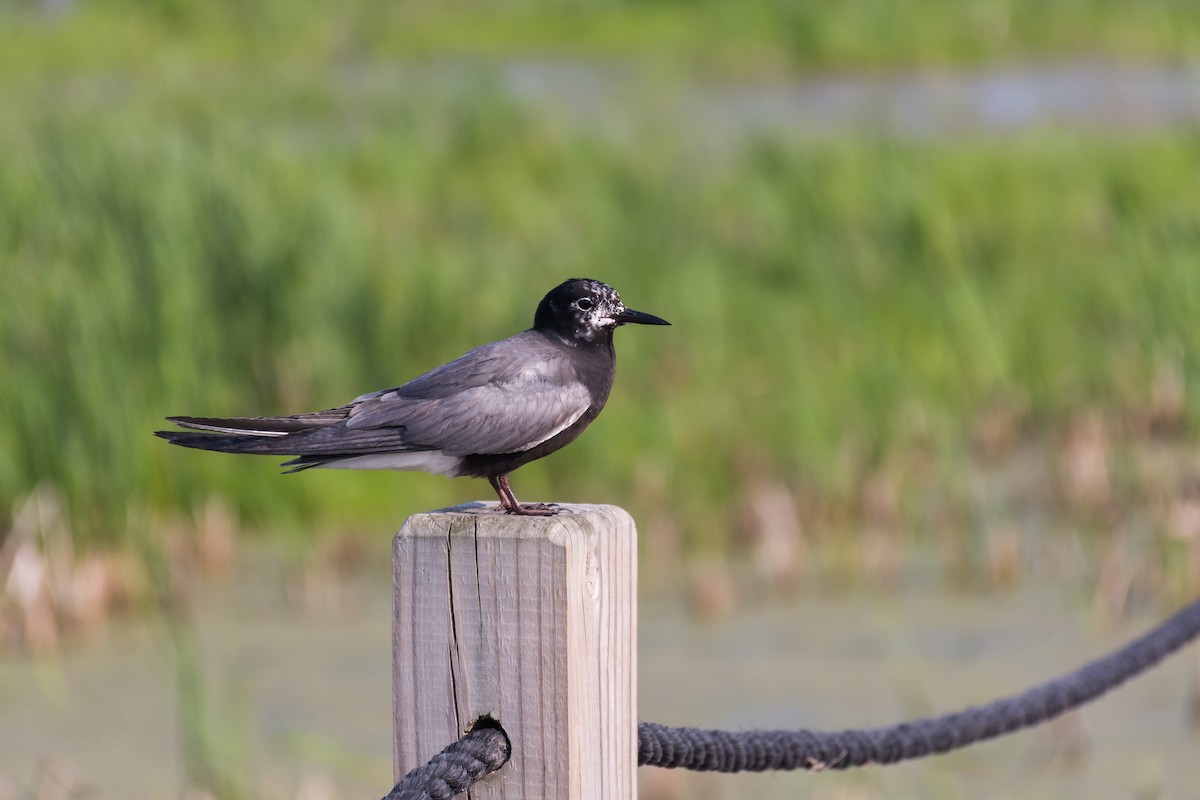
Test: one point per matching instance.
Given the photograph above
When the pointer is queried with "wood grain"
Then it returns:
(533, 621)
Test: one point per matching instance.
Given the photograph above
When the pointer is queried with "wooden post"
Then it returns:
(533, 621)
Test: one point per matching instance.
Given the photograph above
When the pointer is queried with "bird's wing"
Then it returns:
(504, 397)
(498, 360)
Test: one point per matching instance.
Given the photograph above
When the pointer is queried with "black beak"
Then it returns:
(638, 318)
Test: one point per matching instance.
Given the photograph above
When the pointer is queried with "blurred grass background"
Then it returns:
(220, 208)
(980, 345)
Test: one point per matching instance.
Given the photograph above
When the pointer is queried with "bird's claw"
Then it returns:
(534, 510)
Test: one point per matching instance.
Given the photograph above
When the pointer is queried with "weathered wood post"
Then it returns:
(532, 621)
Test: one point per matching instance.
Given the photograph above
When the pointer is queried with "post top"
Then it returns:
(479, 508)
(487, 519)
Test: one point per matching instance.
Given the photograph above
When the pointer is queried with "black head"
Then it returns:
(582, 309)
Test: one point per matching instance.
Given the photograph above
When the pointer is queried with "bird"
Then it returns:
(484, 414)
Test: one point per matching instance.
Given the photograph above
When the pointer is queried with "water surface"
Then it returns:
(302, 699)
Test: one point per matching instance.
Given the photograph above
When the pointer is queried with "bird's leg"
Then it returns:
(508, 500)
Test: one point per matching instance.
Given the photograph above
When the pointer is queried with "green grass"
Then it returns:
(751, 38)
(190, 227)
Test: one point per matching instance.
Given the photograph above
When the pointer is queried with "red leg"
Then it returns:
(508, 500)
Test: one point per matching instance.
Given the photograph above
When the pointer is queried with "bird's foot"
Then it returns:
(509, 503)
(534, 509)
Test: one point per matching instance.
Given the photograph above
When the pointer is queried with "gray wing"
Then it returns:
(504, 397)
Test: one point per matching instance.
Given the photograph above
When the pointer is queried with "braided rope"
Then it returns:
(486, 748)
(481, 751)
(759, 750)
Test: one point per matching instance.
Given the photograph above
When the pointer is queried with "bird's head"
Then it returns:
(585, 310)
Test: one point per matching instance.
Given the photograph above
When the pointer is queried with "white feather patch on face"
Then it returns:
(601, 318)
(433, 461)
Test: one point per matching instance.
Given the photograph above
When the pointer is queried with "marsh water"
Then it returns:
(1078, 96)
(296, 684)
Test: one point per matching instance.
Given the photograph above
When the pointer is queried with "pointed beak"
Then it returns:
(638, 318)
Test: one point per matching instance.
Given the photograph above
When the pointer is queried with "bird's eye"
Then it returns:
(584, 304)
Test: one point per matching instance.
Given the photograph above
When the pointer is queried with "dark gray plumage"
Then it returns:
(484, 414)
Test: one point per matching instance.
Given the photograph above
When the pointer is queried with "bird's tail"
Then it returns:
(259, 435)
(226, 443)
(313, 440)
(262, 426)
(253, 443)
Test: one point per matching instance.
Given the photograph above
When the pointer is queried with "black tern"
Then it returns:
(482, 415)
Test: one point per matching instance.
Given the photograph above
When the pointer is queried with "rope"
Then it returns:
(485, 748)
(481, 751)
(759, 750)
